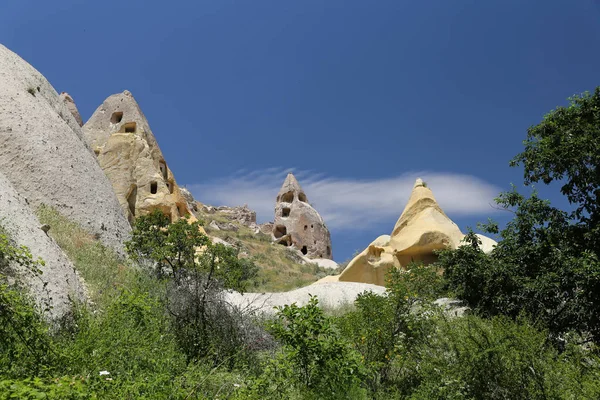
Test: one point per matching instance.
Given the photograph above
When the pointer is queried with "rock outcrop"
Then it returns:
(70, 104)
(45, 157)
(59, 282)
(298, 224)
(422, 229)
(128, 152)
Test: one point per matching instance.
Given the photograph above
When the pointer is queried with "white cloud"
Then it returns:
(344, 203)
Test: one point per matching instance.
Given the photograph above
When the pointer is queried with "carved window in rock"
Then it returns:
(170, 186)
(304, 250)
(287, 197)
(153, 187)
(182, 210)
(302, 197)
(163, 169)
(279, 231)
(129, 127)
(285, 212)
(328, 251)
(116, 117)
(305, 227)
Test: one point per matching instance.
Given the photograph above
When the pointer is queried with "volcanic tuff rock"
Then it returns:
(127, 151)
(45, 157)
(421, 229)
(298, 224)
(23, 227)
(68, 100)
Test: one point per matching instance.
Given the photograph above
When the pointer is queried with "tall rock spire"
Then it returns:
(128, 152)
(298, 224)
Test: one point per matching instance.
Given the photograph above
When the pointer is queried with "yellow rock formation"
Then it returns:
(421, 229)
(128, 152)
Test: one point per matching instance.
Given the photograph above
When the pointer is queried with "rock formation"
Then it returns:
(298, 224)
(422, 228)
(58, 281)
(44, 156)
(68, 100)
(127, 151)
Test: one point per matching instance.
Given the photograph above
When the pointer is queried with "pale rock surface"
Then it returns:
(240, 214)
(266, 228)
(45, 157)
(452, 307)
(191, 202)
(128, 152)
(330, 295)
(322, 262)
(298, 224)
(422, 228)
(70, 104)
(23, 227)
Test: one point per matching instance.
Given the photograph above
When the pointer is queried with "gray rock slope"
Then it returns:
(45, 157)
(23, 227)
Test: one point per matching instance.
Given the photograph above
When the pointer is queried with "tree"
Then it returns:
(565, 148)
(546, 264)
(197, 271)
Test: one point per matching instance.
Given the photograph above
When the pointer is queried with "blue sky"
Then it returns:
(359, 98)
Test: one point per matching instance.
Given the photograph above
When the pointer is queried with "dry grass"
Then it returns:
(280, 269)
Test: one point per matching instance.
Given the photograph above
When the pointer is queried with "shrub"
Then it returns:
(25, 347)
(314, 360)
(197, 271)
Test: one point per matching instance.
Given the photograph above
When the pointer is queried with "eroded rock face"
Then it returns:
(241, 214)
(59, 280)
(70, 104)
(298, 224)
(422, 228)
(45, 157)
(128, 152)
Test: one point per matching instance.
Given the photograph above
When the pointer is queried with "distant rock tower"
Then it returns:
(68, 100)
(127, 151)
(298, 224)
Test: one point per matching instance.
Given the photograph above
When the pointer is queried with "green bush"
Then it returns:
(383, 327)
(314, 361)
(473, 358)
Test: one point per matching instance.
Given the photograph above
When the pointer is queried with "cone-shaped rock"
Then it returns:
(46, 158)
(127, 151)
(298, 224)
(421, 229)
(68, 100)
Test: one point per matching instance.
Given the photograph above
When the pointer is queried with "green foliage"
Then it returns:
(565, 147)
(103, 270)
(546, 264)
(24, 344)
(383, 328)
(473, 358)
(63, 388)
(131, 340)
(314, 359)
(197, 271)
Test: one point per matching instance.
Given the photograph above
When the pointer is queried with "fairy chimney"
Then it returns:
(298, 224)
(128, 152)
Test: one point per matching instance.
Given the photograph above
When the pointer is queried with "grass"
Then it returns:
(278, 269)
(102, 269)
